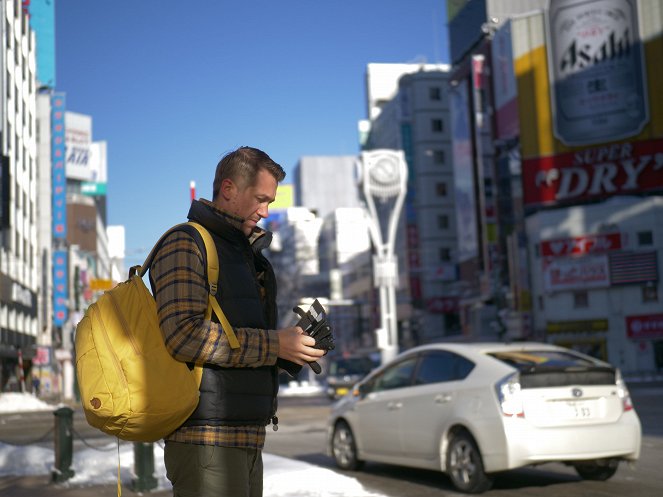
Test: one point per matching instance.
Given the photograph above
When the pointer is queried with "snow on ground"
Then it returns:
(283, 477)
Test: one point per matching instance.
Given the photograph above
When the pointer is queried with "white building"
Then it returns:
(596, 279)
(19, 248)
(324, 183)
(415, 117)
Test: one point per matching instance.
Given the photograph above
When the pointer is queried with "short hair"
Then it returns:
(242, 166)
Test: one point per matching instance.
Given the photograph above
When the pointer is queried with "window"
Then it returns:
(443, 222)
(437, 126)
(445, 254)
(441, 189)
(397, 376)
(580, 299)
(438, 156)
(645, 238)
(650, 292)
(435, 93)
(439, 366)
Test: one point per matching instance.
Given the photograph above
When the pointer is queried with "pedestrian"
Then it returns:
(217, 452)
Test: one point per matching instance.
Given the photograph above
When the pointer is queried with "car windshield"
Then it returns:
(350, 366)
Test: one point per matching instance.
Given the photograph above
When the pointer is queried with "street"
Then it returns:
(301, 436)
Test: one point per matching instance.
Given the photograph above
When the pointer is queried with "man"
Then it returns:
(217, 452)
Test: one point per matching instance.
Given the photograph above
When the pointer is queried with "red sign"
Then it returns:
(579, 245)
(442, 305)
(600, 172)
(648, 326)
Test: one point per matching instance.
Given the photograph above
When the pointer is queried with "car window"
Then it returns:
(441, 365)
(397, 376)
(525, 360)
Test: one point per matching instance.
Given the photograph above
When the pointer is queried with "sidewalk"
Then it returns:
(37, 486)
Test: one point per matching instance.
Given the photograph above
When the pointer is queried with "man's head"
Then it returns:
(245, 184)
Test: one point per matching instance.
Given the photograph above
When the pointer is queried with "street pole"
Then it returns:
(383, 180)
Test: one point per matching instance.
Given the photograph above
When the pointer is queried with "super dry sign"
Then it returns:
(625, 168)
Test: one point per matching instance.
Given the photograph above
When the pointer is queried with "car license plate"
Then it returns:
(575, 410)
(341, 391)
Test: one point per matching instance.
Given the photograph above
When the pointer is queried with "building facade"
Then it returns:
(19, 248)
(416, 119)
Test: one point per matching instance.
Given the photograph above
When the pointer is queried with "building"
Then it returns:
(596, 275)
(20, 275)
(561, 154)
(323, 183)
(414, 116)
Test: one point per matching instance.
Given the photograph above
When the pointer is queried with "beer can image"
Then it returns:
(597, 70)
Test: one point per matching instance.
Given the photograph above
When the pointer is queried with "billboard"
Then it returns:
(58, 175)
(644, 327)
(60, 287)
(581, 245)
(505, 93)
(597, 73)
(463, 165)
(571, 273)
(78, 139)
(584, 135)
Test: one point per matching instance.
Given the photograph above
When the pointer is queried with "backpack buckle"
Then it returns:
(212, 288)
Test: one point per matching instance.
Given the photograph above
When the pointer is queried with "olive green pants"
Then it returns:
(211, 471)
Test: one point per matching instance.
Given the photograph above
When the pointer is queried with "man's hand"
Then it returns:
(297, 347)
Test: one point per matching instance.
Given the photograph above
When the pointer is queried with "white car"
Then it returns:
(471, 410)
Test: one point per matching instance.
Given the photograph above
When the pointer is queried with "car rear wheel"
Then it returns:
(599, 470)
(344, 447)
(465, 466)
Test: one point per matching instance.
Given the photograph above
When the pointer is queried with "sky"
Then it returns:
(172, 86)
(283, 477)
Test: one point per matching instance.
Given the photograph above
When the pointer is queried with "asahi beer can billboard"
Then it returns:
(596, 68)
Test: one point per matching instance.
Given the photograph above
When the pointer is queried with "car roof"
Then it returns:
(486, 347)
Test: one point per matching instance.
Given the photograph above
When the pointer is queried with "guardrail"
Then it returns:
(63, 433)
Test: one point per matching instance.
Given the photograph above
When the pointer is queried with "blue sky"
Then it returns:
(173, 85)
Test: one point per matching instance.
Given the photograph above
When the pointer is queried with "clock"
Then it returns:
(385, 171)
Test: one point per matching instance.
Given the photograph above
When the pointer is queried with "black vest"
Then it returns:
(237, 396)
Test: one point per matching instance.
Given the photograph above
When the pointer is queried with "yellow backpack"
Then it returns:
(130, 386)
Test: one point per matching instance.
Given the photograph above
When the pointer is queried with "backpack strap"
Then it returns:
(212, 276)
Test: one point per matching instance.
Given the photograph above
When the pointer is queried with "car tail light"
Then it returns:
(509, 395)
(623, 392)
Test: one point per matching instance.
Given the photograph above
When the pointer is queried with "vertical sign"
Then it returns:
(466, 206)
(60, 289)
(505, 92)
(597, 76)
(59, 180)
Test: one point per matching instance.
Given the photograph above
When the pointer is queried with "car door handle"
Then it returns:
(443, 398)
(392, 406)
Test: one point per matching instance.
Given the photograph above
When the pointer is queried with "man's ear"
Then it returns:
(228, 189)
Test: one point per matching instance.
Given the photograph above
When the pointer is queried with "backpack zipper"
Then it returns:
(118, 367)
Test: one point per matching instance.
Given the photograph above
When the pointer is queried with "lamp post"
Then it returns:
(383, 180)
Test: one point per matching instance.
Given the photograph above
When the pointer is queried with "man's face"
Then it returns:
(251, 203)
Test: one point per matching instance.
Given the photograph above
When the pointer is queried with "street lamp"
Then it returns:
(383, 180)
